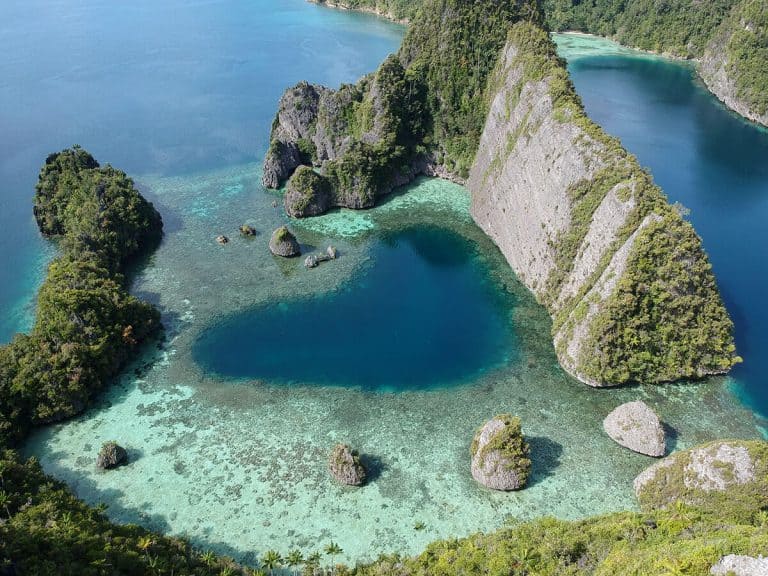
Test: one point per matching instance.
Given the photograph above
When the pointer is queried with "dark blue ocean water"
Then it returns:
(425, 314)
(164, 87)
(713, 162)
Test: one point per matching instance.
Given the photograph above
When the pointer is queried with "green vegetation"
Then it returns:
(424, 106)
(682, 540)
(394, 9)
(747, 51)
(509, 443)
(679, 27)
(87, 324)
(665, 320)
(738, 503)
(46, 531)
(453, 47)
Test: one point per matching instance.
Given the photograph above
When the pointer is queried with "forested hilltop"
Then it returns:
(730, 37)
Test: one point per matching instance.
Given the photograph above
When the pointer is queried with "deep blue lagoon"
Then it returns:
(423, 314)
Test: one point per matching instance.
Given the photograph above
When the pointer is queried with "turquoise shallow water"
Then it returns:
(239, 464)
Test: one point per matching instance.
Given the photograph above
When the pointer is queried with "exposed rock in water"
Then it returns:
(736, 565)
(221, 239)
(588, 232)
(111, 455)
(727, 475)
(284, 243)
(500, 454)
(635, 426)
(246, 230)
(313, 260)
(344, 465)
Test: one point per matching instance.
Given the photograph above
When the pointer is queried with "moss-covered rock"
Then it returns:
(307, 193)
(111, 455)
(345, 466)
(500, 454)
(729, 477)
(283, 243)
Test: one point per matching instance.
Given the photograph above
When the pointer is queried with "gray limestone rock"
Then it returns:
(740, 566)
(344, 465)
(724, 472)
(283, 243)
(111, 456)
(500, 454)
(635, 426)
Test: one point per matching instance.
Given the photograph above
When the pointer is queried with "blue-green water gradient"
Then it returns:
(424, 314)
(165, 88)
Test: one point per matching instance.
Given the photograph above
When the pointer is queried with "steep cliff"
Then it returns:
(629, 288)
(735, 63)
(422, 112)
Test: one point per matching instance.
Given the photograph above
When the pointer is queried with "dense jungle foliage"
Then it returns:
(87, 324)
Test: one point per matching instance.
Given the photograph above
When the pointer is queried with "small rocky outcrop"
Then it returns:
(344, 465)
(283, 243)
(246, 230)
(728, 475)
(307, 193)
(500, 454)
(313, 260)
(111, 455)
(221, 239)
(738, 565)
(635, 426)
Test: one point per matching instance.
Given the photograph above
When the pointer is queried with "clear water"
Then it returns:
(181, 95)
(422, 315)
(703, 156)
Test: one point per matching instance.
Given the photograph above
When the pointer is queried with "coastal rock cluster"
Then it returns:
(283, 243)
(623, 275)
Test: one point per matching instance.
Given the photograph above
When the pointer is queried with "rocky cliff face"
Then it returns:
(624, 277)
(422, 112)
(734, 65)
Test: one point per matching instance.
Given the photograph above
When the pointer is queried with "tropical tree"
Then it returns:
(5, 499)
(294, 559)
(333, 550)
(272, 560)
(312, 562)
